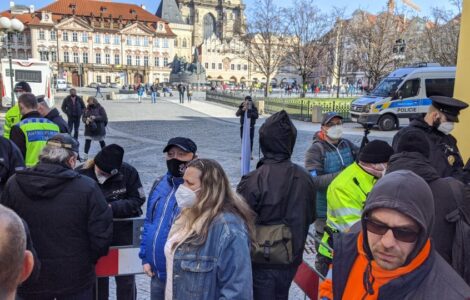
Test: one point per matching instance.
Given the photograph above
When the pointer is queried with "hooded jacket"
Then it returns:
(325, 161)
(408, 194)
(444, 156)
(70, 224)
(444, 199)
(279, 191)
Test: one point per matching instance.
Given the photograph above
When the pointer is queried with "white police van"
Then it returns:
(402, 94)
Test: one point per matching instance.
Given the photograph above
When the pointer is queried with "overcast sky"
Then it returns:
(324, 5)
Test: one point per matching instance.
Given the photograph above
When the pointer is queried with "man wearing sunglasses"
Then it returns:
(391, 256)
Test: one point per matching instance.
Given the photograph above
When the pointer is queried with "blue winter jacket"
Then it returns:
(218, 269)
(162, 210)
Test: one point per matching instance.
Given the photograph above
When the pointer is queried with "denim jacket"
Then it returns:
(218, 269)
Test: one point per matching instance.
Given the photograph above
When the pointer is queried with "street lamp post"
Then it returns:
(7, 27)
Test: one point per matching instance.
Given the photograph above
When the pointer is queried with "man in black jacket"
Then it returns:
(11, 160)
(121, 186)
(389, 255)
(280, 192)
(70, 221)
(413, 154)
(253, 115)
(51, 114)
(73, 106)
(437, 126)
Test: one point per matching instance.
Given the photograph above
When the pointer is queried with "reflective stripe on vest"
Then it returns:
(36, 131)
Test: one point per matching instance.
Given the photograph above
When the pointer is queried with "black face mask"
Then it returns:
(176, 167)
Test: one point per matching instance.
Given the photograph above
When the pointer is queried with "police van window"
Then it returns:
(440, 87)
(410, 88)
(387, 87)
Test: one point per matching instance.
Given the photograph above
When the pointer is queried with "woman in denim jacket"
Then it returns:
(208, 249)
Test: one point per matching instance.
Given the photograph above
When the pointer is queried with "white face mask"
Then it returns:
(446, 127)
(185, 197)
(335, 132)
(100, 177)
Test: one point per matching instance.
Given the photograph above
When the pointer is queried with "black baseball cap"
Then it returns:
(450, 107)
(185, 144)
(41, 98)
(330, 115)
(22, 86)
(63, 140)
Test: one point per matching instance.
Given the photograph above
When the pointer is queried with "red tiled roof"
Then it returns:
(24, 18)
(85, 8)
(88, 7)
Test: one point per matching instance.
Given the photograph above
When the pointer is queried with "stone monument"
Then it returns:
(192, 73)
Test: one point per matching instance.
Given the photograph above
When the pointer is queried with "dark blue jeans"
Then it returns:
(272, 284)
(74, 123)
(157, 289)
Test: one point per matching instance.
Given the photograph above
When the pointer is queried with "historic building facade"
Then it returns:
(94, 41)
(216, 28)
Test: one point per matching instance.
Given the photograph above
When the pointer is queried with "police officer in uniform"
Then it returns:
(121, 186)
(13, 115)
(437, 126)
(33, 131)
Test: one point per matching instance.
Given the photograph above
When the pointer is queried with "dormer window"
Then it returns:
(103, 9)
(133, 11)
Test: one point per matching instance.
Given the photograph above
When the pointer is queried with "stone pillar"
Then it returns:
(461, 91)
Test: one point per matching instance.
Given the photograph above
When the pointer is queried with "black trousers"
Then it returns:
(74, 123)
(272, 284)
(125, 288)
(252, 135)
(86, 294)
(88, 145)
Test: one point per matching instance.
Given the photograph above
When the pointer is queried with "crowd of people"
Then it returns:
(389, 220)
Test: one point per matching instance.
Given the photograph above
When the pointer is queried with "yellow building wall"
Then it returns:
(462, 88)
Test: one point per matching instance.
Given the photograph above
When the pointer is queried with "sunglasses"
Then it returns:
(401, 234)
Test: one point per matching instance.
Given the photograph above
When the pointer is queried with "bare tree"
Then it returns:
(335, 41)
(378, 43)
(306, 26)
(265, 40)
(442, 34)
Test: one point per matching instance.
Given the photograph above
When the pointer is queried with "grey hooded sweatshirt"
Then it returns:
(410, 195)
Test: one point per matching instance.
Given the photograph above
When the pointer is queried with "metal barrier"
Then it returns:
(123, 256)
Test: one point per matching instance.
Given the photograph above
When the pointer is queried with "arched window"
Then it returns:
(209, 26)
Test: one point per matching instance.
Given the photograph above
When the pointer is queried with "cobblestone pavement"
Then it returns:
(143, 130)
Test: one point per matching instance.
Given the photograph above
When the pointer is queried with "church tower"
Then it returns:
(222, 18)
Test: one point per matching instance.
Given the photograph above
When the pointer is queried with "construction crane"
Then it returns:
(409, 3)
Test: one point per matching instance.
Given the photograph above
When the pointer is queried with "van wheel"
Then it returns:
(387, 123)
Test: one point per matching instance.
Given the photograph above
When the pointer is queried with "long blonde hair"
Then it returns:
(214, 198)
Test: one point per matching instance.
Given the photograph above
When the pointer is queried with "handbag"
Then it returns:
(273, 243)
(93, 126)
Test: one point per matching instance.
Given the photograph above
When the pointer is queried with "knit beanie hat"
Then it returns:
(414, 141)
(109, 159)
(376, 152)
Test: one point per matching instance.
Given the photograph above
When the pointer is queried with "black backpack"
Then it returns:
(461, 217)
